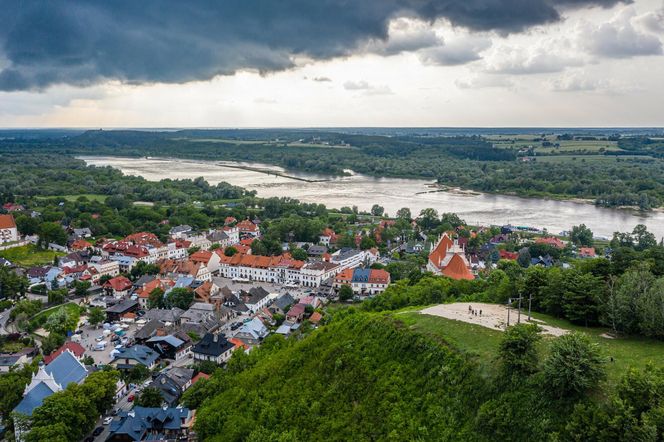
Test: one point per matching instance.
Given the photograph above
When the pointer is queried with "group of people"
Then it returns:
(474, 312)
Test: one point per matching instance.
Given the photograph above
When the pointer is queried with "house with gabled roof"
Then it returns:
(143, 423)
(252, 332)
(128, 358)
(213, 347)
(65, 369)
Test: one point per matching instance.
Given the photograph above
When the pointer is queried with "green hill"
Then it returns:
(365, 377)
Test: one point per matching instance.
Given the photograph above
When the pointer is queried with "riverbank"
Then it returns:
(393, 194)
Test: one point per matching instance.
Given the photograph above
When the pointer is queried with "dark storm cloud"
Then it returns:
(42, 43)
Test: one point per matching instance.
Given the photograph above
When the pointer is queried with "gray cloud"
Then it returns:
(456, 52)
(81, 43)
(620, 39)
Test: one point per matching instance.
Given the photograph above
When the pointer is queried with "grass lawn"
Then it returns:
(73, 310)
(71, 198)
(29, 256)
(481, 343)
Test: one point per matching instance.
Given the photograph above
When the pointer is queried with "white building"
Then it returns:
(8, 230)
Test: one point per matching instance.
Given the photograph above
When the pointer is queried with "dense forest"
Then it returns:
(632, 176)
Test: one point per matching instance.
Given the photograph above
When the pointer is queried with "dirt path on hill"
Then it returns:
(493, 316)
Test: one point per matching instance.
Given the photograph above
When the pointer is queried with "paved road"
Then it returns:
(4, 317)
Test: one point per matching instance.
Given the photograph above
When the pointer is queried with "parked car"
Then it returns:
(108, 420)
(130, 398)
(98, 431)
(89, 439)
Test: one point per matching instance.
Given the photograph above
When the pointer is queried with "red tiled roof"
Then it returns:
(437, 255)
(246, 226)
(552, 241)
(315, 318)
(201, 256)
(80, 244)
(74, 347)
(199, 376)
(456, 269)
(7, 222)
(504, 254)
(238, 344)
(118, 284)
(379, 276)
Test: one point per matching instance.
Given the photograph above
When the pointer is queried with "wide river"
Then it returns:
(393, 193)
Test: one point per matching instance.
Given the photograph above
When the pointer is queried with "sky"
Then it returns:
(332, 63)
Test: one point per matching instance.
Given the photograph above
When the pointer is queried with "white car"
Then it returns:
(108, 420)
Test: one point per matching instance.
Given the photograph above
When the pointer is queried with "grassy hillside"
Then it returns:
(481, 343)
(362, 378)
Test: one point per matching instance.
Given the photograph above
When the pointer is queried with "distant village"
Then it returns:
(202, 295)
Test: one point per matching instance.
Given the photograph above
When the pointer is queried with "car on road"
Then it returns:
(99, 338)
(89, 439)
(108, 420)
(130, 398)
(235, 326)
(98, 431)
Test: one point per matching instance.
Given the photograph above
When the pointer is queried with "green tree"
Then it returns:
(377, 210)
(156, 298)
(345, 292)
(299, 254)
(51, 233)
(650, 310)
(518, 350)
(58, 321)
(428, 218)
(644, 239)
(573, 367)
(367, 243)
(81, 288)
(137, 373)
(180, 297)
(96, 316)
(581, 236)
(150, 397)
(52, 342)
(404, 214)
(57, 296)
(230, 251)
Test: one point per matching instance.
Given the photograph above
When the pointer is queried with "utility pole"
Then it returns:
(530, 301)
(509, 303)
(519, 316)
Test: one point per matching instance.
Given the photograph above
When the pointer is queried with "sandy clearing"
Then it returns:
(493, 316)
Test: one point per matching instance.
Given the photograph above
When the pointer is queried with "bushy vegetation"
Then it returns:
(360, 378)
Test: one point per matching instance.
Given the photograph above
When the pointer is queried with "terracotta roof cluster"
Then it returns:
(80, 244)
(147, 288)
(168, 266)
(262, 262)
(247, 226)
(230, 220)
(449, 258)
(144, 239)
(201, 256)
